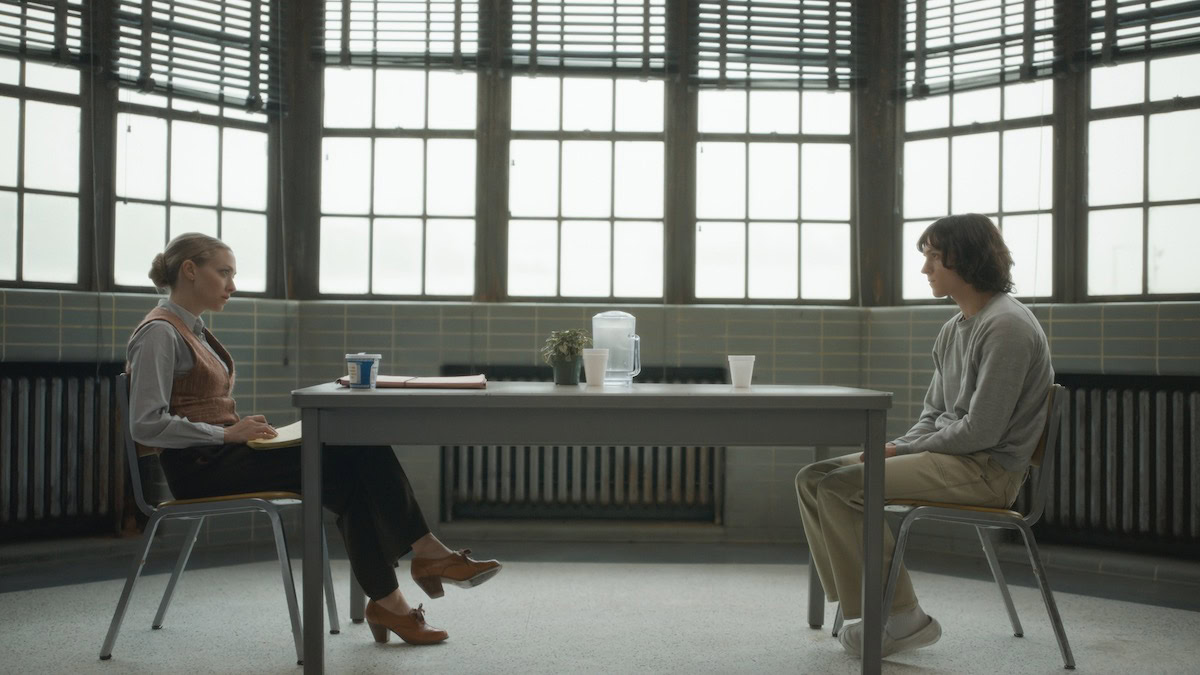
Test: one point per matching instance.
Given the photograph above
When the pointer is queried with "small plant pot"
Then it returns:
(567, 371)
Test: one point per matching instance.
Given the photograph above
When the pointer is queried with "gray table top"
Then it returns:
(546, 394)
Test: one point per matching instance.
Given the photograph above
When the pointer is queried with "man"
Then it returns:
(983, 415)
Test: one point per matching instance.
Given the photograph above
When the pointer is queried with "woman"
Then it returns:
(181, 384)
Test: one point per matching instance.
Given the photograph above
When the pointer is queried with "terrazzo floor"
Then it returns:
(664, 614)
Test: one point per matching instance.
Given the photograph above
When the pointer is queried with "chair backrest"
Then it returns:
(1047, 451)
(131, 453)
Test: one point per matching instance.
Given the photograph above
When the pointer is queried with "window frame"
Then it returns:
(970, 129)
(24, 93)
(800, 139)
(611, 137)
(1145, 109)
(170, 114)
(425, 134)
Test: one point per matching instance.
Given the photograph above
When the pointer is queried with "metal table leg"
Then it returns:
(872, 597)
(816, 594)
(310, 487)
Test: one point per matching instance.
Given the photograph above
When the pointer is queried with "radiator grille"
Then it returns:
(61, 468)
(588, 482)
(1128, 468)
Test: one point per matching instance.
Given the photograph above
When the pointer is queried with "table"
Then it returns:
(541, 413)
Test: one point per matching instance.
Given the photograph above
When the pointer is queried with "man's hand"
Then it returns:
(249, 428)
(889, 450)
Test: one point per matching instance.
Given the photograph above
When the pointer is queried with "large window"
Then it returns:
(605, 150)
(983, 151)
(773, 195)
(978, 132)
(398, 182)
(773, 151)
(1143, 193)
(39, 172)
(184, 166)
(586, 188)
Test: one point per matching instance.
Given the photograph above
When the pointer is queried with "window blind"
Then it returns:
(780, 43)
(600, 36)
(1132, 29)
(967, 44)
(219, 51)
(46, 30)
(402, 33)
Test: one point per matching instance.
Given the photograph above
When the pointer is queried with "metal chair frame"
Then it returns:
(195, 511)
(986, 520)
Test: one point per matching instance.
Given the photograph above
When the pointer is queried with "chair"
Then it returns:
(985, 519)
(196, 510)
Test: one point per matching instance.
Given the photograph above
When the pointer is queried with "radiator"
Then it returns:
(1128, 467)
(62, 469)
(584, 482)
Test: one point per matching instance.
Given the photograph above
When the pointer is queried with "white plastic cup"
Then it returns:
(595, 363)
(363, 370)
(741, 367)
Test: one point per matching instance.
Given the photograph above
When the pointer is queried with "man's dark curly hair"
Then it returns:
(972, 246)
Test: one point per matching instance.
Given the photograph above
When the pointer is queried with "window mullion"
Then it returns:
(1146, 184)
(20, 271)
(1069, 186)
(679, 169)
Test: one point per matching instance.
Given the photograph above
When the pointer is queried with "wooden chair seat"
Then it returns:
(913, 503)
(227, 498)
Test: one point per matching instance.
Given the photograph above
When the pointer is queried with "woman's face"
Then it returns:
(211, 284)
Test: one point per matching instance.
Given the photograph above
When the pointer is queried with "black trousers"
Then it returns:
(364, 485)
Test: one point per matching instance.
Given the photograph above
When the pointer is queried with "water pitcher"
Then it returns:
(614, 331)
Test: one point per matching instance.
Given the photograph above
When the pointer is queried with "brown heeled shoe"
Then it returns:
(456, 568)
(410, 627)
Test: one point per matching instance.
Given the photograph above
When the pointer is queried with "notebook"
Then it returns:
(407, 381)
(286, 437)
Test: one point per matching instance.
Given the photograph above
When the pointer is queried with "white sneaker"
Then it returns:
(851, 639)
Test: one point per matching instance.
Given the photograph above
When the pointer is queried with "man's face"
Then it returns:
(942, 281)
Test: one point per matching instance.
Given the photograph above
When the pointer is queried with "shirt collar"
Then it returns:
(189, 319)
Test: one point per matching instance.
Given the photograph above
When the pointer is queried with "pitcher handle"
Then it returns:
(637, 355)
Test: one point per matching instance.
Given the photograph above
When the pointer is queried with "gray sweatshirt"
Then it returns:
(991, 374)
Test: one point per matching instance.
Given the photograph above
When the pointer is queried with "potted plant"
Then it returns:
(564, 351)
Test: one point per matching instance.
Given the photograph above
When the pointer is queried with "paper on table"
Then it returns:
(286, 437)
(399, 381)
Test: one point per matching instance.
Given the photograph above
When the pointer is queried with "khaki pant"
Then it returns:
(831, 505)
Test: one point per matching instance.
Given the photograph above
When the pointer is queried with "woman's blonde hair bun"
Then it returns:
(194, 246)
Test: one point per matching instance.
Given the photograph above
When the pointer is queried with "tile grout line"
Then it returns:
(1157, 330)
(1103, 330)
(60, 326)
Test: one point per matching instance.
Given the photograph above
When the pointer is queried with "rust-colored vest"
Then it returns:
(205, 394)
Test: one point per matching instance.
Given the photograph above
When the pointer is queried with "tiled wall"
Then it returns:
(66, 326)
(793, 345)
(1127, 338)
(280, 345)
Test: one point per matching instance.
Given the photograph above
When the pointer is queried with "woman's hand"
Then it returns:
(249, 428)
(889, 450)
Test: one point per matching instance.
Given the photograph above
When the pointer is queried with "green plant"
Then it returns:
(564, 345)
